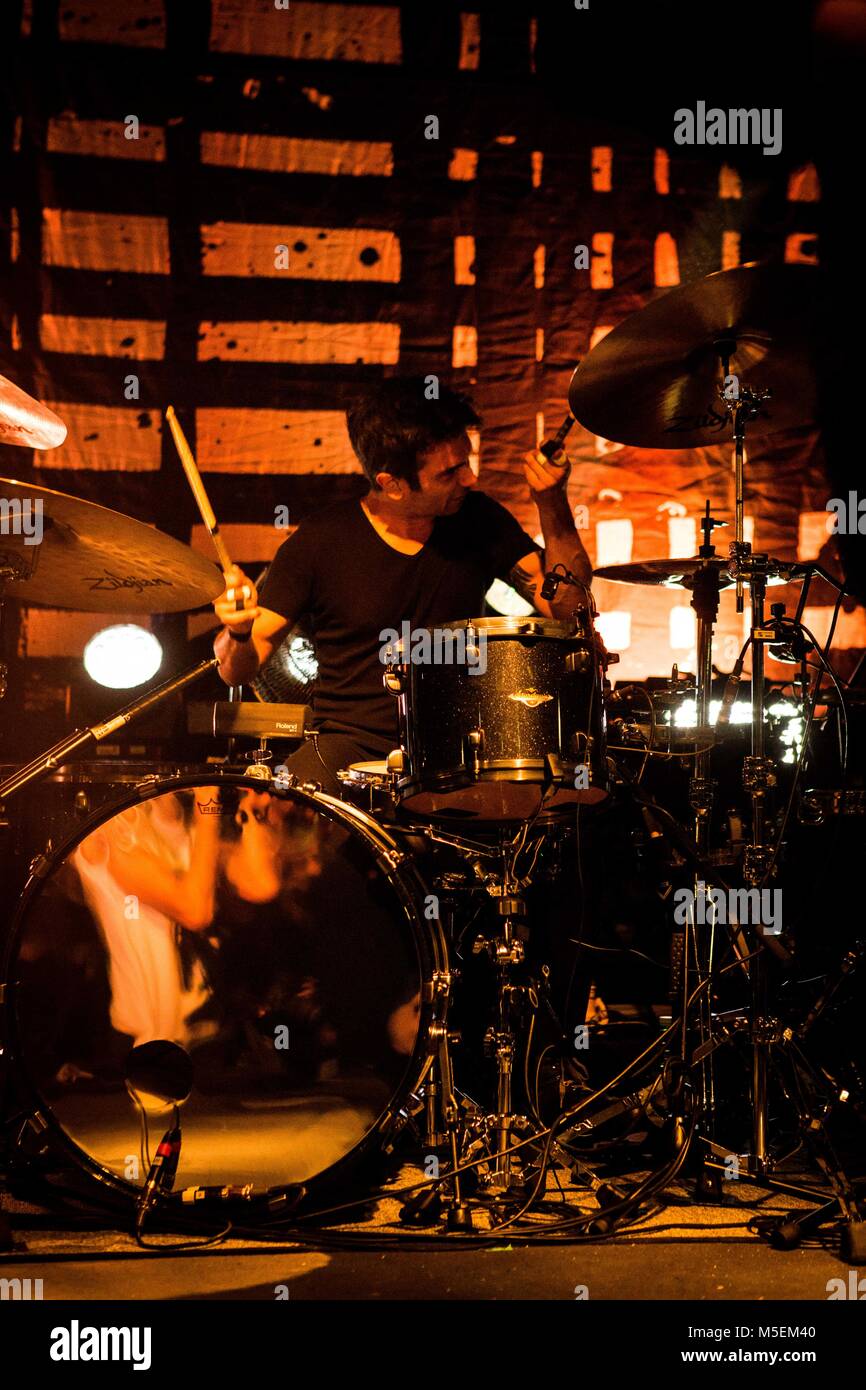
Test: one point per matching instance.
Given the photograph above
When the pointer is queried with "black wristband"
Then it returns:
(240, 636)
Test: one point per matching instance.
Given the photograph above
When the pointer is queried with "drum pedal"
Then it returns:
(459, 1217)
(425, 1209)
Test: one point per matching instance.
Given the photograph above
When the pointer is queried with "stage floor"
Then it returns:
(684, 1252)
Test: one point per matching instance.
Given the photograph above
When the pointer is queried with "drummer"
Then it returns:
(422, 546)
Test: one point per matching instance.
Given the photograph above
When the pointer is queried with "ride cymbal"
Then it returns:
(653, 381)
(675, 574)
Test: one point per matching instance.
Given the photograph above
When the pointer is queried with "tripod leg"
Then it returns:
(790, 1231)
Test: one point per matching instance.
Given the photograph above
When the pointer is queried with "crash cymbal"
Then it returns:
(26, 421)
(67, 553)
(653, 381)
(674, 574)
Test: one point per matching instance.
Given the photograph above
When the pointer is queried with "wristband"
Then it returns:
(240, 636)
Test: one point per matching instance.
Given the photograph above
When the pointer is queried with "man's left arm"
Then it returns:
(562, 543)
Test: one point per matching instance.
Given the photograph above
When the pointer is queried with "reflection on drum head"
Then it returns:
(254, 930)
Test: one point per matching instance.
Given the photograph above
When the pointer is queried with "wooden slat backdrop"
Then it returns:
(145, 271)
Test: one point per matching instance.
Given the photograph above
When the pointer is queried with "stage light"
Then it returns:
(789, 727)
(686, 716)
(301, 660)
(507, 601)
(122, 656)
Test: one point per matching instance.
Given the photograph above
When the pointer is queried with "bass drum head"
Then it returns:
(259, 928)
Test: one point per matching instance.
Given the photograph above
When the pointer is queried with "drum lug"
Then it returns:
(578, 661)
(150, 780)
(393, 682)
(282, 779)
(40, 865)
(32, 1133)
(438, 987)
(475, 745)
(391, 859)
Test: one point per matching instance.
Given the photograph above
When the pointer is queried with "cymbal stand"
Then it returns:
(767, 1034)
(705, 588)
(759, 773)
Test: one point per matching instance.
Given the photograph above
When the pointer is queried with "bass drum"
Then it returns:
(277, 935)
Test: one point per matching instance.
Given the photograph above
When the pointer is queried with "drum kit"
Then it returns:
(365, 979)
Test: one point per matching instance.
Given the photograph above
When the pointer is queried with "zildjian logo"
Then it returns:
(108, 581)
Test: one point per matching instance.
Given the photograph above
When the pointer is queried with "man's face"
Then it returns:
(444, 478)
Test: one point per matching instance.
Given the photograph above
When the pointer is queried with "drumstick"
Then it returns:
(193, 477)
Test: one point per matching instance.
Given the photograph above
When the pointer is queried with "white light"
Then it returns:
(682, 628)
(123, 656)
(682, 537)
(615, 629)
(301, 660)
(507, 601)
(687, 713)
(613, 542)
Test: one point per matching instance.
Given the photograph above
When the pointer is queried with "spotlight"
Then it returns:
(507, 601)
(122, 656)
(686, 715)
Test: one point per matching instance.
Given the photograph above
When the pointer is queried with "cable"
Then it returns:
(572, 1113)
(828, 644)
(621, 951)
(843, 709)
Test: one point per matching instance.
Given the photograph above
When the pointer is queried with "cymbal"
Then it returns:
(67, 553)
(653, 381)
(673, 574)
(26, 421)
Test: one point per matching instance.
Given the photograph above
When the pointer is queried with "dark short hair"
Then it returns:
(396, 421)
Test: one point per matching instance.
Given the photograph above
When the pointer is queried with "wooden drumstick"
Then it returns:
(193, 477)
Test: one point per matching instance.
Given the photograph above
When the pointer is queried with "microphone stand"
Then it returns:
(61, 752)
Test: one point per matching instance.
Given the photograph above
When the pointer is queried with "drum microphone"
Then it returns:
(162, 1172)
(552, 581)
(552, 446)
(731, 687)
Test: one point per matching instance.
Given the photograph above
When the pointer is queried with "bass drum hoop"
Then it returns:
(395, 863)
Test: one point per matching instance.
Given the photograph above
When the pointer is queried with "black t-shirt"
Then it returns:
(345, 585)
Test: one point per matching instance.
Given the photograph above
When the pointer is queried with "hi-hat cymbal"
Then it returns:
(653, 381)
(67, 553)
(675, 574)
(26, 421)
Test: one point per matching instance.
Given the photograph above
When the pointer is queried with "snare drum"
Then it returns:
(504, 707)
(372, 784)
